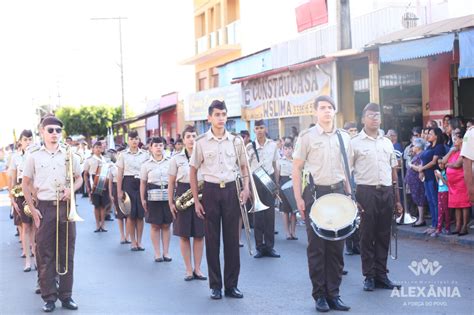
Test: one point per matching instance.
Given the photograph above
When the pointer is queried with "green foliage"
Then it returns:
(88, 121)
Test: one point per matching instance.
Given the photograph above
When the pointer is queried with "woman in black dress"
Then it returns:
(187, 224)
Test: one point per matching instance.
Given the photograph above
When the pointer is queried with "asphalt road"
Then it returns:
(110, 279)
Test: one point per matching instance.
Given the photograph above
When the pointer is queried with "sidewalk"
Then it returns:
(407, 231)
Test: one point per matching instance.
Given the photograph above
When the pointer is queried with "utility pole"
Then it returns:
(343, 10)
(119, 19)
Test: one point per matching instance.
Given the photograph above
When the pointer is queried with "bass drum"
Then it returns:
(334, 217)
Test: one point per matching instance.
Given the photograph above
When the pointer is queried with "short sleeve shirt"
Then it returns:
(267, 154)
(285, 166)
(216, 158)
(322, 154)
(17, 164)
(374, 159)
(427, 156)
(179, 167)
(48, 171)
(131, 163)
(155, 172)
(92, 163)
(467, 149)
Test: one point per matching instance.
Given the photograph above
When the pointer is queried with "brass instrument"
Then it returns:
(26, 209)
(394, 229)
(257, 204)
(186, 199)
(71, 211)
(17, 191)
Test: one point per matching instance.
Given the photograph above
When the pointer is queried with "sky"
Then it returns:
(52, 48)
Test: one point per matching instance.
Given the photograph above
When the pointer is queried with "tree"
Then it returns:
(88, 121)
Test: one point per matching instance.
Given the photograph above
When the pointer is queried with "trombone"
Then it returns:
(257, 204)
(71, 213)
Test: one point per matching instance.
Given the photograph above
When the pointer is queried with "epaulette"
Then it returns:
(33, 149)
(304, 131)
(200, 137)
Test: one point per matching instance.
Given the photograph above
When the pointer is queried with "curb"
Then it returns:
(465, 241)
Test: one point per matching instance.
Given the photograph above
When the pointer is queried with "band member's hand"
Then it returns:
(173, 210)
(244, 195)
(399, 207)
(199, 210)
(120, 194)
(66, 194)
(301, 207)
(145, 206)
(111, 197)
(36, 217)
(15, 206)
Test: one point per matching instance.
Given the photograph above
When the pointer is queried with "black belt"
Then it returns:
(377, 187)
(335, 186)
(219, 185)
(50, 203)
(153, 186)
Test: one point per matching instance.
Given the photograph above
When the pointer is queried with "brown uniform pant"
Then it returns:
(222, 206)
(264, 221)
(46, 252)
(375, 229)
(325, 258)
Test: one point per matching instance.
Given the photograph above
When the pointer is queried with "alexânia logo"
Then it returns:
(424, 267)
(425, 289)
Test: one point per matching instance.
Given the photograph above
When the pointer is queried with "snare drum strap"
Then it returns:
(256, 152)
(346, 163)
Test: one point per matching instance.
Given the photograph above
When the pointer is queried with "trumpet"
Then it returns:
(257, 203)
(71, 212)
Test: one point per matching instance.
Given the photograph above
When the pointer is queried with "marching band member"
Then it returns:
(187, 224)
(154, 197)
(100, 200)
(375, 174)
(284, 168)
(264, 152)
(318, 151)
(45, 172)
(27, 234)
(214, 155)
(128, 180)
(121, 217)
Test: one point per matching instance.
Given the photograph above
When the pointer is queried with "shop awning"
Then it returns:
(466, 52)
(416, 48)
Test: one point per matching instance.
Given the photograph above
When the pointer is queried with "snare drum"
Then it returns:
(262, 176)
(288, 194)
(334, 217)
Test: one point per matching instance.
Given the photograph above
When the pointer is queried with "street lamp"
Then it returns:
(120, 18)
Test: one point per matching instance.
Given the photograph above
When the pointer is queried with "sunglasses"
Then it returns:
(373, 116)
(51, 130)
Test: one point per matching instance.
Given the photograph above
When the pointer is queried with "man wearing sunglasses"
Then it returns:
(45, 174)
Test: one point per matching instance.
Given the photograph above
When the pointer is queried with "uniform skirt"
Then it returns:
(119, 214)
(22, 217)
(158, 213)
(131, 185)
(285, 206)
(187, 223)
